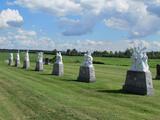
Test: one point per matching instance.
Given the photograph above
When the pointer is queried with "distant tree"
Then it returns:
(74, 52)
(128, 53)
(54, 51)
(68, 52)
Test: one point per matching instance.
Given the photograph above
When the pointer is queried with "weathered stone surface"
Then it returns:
(26, 64)
(86, 74)
(138, 83)
(39, 66)
(58, 69)
(10, 60)
(158, 72)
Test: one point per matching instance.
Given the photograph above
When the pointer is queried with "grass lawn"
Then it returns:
(30, 95)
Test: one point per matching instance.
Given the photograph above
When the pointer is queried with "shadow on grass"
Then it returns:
(75, 80)
(120, 91)
(31, 70)
(69, 80)
(111, 91)
(47, 74)
(156, 78)
(14, 66)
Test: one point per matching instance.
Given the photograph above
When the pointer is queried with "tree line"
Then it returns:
(73, 52)
(120, 54)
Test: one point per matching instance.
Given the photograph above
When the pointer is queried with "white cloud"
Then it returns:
(156, 44)
(55, 7)
(84, 45)
(10, 18)
(117, 23)
(122, 45)
(99, 6)
(79, 27)
(139, 18)
(25, 39)
(131, 16)
(150, 45)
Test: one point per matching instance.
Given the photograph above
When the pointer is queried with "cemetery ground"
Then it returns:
(30, 95)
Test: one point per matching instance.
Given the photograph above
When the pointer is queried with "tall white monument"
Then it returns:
(87, 71)
(39, 62)
(58, 68)
(10, 63)
(26, 63)
(17, 60)
(139, 60)
(88, 60)
(139, 78)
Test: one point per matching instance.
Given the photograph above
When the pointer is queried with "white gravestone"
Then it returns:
(139, 78)
(87, 71)
(26, 63)
(39, 62)
(17, 60)
(58, 68)
(10, 63)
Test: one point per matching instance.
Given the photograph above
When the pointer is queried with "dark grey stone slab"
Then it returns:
(46, 61)
(39, 66)
(58, 69)
(17, 63)
(86, 74)
(10, 63)
(26, 64)
(138, 83)
(158, 72)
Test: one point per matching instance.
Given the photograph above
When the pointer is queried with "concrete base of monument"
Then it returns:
(58, 69)
(17, 63)
(158, 72)
(26, 64)
(138, 83)
(86, 74)
(39, 66)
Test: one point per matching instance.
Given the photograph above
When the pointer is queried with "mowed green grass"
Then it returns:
(30, 95)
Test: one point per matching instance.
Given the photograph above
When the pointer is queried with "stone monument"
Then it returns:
(58, 65)
(17, 60)
(87, 71)
(46, 61)
(26, 63)
(10, 61)
(158, 71)
(139, 78)
(39, 62)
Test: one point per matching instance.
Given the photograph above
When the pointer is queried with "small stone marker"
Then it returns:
(139, 78)
(39, 62)
(10, 61)
(17, 60)
(46, 61)
(26, 63)
(158, 72)
(87, 71)
(58, 68)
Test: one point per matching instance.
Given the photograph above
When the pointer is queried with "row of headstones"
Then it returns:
(86, 73)
(138, 79)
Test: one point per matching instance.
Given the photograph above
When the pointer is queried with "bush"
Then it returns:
(77, 61)
(98, 62)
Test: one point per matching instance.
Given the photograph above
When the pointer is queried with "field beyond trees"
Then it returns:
(30, 95)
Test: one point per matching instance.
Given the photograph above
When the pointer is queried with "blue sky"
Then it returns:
(81, 24)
